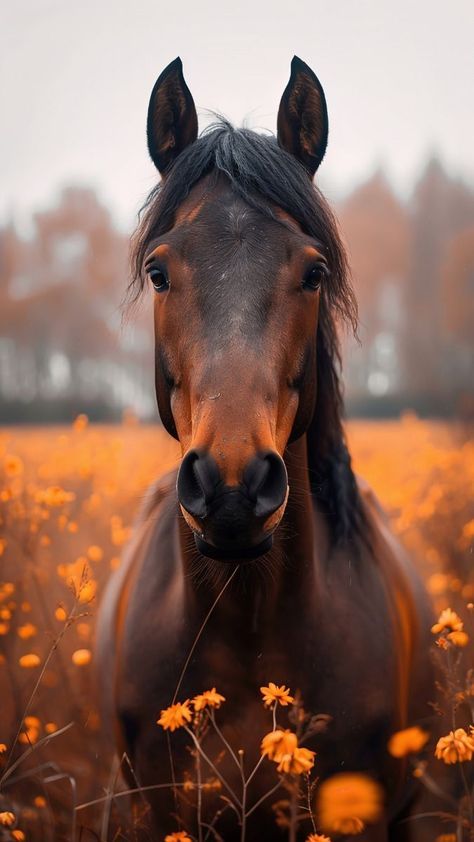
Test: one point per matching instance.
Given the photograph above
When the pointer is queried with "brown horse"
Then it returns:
(249, 278)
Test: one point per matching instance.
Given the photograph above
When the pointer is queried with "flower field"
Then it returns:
(67, 501)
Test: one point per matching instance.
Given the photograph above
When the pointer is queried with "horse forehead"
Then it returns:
(235, 253)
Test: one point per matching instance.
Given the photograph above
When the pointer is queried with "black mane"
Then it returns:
(264, 175)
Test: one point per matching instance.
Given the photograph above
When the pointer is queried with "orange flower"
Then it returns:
(301, 761)
(347, 802)
(13, 466)
(87, 591)
(208, 699)
(448, 619)
(178, 836)
(18, 835)
(317, 837)
(39, 801)
(278, 744)
(175, 716)
(29, 661)
(27, 631)
(446, 837)
(7, 818)
(408, 741)
(458, 638)
(60, 613)
(81, 657)
(95, 553)
(54, 496)
(80, 423)
(3, 748)
(212, 785)
(273, 693)
(456, 747)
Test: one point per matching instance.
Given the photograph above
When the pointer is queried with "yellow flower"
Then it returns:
(7, 818)
(208, 699)
(458, 638)
(347, 802)
(81, 657)
(178, 836)
(175, 716)
(29, 661)
(456, 747)
(273, 693)
(13, 466)
(408, 741)
(317, 837)
(301, 761)
(278, 744)
(448, 619)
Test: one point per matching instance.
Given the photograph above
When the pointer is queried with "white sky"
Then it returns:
(76, 75)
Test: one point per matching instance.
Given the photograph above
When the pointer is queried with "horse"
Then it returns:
(262, 557)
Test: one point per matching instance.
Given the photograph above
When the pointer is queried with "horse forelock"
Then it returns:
(270, 180)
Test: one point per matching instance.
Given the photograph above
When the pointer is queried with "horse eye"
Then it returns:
(159, 279)
(315, 276)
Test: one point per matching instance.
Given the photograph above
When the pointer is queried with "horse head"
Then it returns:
(242, 254)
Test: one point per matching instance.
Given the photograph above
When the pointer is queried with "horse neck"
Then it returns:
(289, 571)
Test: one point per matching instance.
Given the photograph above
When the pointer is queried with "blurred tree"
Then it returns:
(60, 318)
(377, 229)
(441, 207)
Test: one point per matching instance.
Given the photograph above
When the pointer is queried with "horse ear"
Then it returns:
(172, 120)
(303, 117)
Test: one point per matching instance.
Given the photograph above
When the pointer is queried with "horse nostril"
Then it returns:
(197, 481)
(267, 482)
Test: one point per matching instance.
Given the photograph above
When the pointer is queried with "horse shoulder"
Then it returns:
(411, 608)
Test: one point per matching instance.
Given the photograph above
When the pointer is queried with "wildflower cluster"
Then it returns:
(345, 804)
(66, 498)
(64, 518)
(457, 746)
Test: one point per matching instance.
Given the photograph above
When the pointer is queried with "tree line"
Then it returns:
(65, 346)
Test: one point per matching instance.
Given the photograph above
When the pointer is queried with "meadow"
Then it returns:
(68, 496)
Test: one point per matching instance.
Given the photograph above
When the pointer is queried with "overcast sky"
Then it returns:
(76, 76)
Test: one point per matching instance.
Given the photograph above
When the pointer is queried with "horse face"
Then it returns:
(236, 309)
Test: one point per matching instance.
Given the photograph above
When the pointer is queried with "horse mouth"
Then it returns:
(231, 554)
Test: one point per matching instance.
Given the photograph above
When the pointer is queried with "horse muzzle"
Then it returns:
(232, 523)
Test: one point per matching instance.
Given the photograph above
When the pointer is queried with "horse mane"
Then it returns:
(265, 176)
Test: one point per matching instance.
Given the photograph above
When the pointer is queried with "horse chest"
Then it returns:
(341, 672)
